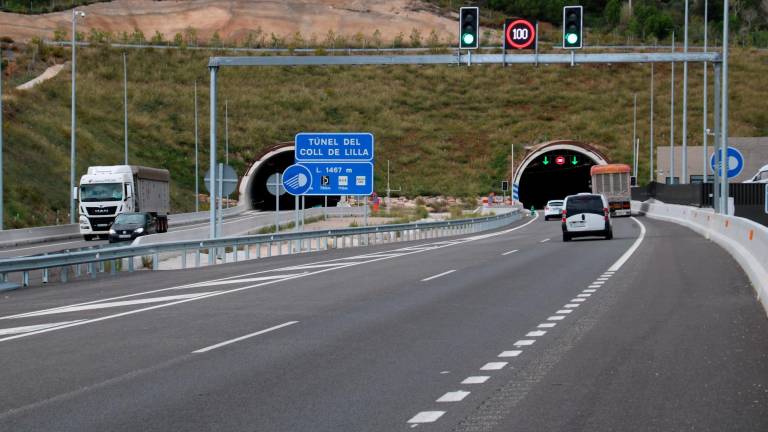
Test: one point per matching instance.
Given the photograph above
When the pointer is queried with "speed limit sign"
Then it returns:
(519, 34)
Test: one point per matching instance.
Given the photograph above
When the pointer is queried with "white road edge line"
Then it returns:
(438, 275)
(544, 241)
(620, 262)
(241, 338)
(509, 253)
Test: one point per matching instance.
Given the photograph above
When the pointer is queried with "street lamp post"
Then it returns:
(72, 135)
(125, 104)
(724, 113)
(1, 138)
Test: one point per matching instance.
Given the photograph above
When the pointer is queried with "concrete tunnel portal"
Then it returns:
(257, 188)
(554, 170)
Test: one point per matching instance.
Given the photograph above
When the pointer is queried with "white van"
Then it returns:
(760, 177)
(586, 215)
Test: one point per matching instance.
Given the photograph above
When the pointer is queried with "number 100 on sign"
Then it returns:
(519, 34)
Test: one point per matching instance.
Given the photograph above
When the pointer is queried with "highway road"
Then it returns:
(656, 330)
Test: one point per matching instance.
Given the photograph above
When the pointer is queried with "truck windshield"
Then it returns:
(101, 192)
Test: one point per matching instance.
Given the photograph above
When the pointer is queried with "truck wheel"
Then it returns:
(87, 237)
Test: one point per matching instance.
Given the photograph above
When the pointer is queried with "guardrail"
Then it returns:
(233, 249)
(745, 240)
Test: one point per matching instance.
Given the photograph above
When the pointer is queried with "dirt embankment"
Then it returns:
(233, 19)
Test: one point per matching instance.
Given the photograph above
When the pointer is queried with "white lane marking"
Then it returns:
(524, 342)
(572, 305)
(546, 325)
(39, 246)
(241, 338)
(556, 318)
(544, 241)
(119, 304)
(577, 300)
(564, 311)
(589, 290)
(437, 275)
(218, 293)
(246, 280)
(602, 279)
(480, 379)
(620, 262)
(584, 295)
(318, 266)
(595, 286)
(426, 417)
(25, 329)
(509, 253)
(512, 353)
(494, 366)
(456, 396)
(609, 272)
(536, 333)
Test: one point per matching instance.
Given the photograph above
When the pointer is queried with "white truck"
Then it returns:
(107, 191)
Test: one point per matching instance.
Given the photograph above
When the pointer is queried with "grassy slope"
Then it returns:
(446, 129)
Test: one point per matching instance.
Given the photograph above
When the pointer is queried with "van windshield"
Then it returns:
(584, 204)
(101, 192)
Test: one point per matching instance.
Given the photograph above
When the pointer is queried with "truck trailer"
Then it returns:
(613, 181)
(107, 191)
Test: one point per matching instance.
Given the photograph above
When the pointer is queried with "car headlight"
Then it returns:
(111, 231)
(139, 230)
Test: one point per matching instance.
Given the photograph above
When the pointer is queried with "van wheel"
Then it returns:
(566, 237)
(609, 236)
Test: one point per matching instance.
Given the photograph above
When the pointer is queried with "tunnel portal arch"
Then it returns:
(254, 193)
(554, 170)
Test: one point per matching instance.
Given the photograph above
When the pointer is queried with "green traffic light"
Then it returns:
(572, 38)
(468, 38)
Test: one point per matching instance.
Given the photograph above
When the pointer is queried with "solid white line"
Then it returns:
(39, 246)
(536, 333)
(481, 379)
(524, 342)
(546, 325)
(456, 396)
(494, 366)
(17, 330)
(231, 341)
(620, 262)
(513, 353)
(426, 417)
(544, 241)
(437, 275)
(124, 303)
(509, 253)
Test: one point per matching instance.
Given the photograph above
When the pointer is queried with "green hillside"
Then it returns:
(446, 129)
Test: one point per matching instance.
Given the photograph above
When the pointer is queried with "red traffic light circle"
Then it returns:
(520, 34)
(560, 160)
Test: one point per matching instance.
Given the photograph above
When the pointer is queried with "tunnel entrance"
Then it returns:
(555, 170)
(262, 196)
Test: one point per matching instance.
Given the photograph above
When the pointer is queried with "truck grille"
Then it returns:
(96, 211)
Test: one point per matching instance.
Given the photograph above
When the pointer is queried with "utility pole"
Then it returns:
(125, 104)
(226, 138)
(213, 71)
(652, 174)
(684, 159)
(706, 104)
(672, 120)
(634, 138)
(197, 158)
(72, 134)
(724, 123)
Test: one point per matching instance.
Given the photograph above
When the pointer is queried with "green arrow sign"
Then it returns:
(574, 161)
(546, 160)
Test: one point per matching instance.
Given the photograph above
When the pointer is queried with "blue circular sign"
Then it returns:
(297, 179)
(735, 162)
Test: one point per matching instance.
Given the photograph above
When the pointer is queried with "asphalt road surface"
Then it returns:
(504, 331)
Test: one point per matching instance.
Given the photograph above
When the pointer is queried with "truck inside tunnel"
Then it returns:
(262, 195)
(555, 175)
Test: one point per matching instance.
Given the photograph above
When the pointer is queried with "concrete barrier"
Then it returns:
(745, 240)
(23, 236)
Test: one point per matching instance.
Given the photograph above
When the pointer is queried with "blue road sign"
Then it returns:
(297, 180)
(336, 147)
(735, 162)
(340, 178)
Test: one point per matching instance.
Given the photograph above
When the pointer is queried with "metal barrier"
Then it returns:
(233, 249)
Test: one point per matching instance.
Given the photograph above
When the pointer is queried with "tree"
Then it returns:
(612, 13)
(415, 38)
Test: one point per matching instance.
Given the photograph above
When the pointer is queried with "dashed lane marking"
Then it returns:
(494, 366)
(455, 396)
(512, 353)
(546, 325)
(524, 342)
(536, 333)
(426, 417)
(509, 253)
(242, 338)
(480, 379)
(437, 276)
